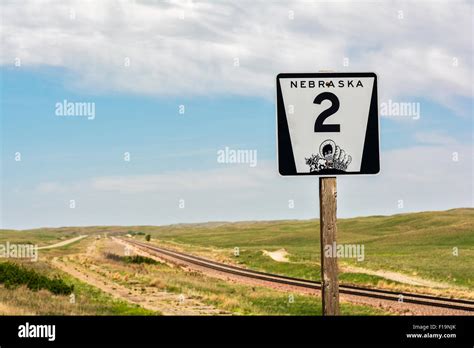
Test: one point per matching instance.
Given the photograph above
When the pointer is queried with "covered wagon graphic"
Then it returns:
(330, 156)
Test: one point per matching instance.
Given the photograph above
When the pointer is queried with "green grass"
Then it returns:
(305, 305)
(97, 302)
(414, 244)
(88, 299)
(233, 298)
(418, 244)
(40, 237)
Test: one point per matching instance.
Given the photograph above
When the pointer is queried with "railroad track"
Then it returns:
(420, 299)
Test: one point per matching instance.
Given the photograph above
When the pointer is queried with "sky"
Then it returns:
(172, 83)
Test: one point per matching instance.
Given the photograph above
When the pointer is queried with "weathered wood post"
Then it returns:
(328, 230)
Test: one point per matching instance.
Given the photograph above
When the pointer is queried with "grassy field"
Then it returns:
(416, 244)
(228, 297)
(419, 245)
(148, 277)
(87, 299)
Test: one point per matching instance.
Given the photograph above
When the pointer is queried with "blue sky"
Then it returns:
(181, 61)
(150, 128)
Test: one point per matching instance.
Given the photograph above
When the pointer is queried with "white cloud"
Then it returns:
(423, 177)
(435, 138)
(195, 55)
(233, 178)
(50, 187)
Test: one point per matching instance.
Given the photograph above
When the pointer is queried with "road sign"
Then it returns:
(327, 124)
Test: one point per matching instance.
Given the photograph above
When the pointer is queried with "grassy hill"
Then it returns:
(415, 244)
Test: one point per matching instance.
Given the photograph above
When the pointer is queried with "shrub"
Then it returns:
(13, 275)
(131, 259)
(134, 233)
(140, 259)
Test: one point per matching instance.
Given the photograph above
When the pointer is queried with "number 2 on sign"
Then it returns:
(318, 125)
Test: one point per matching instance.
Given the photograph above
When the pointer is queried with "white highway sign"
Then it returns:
(327, 124)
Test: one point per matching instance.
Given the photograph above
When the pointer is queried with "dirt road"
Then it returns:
(87, 268)
(62, 243)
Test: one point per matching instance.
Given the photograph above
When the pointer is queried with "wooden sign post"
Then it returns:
(328, 230)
